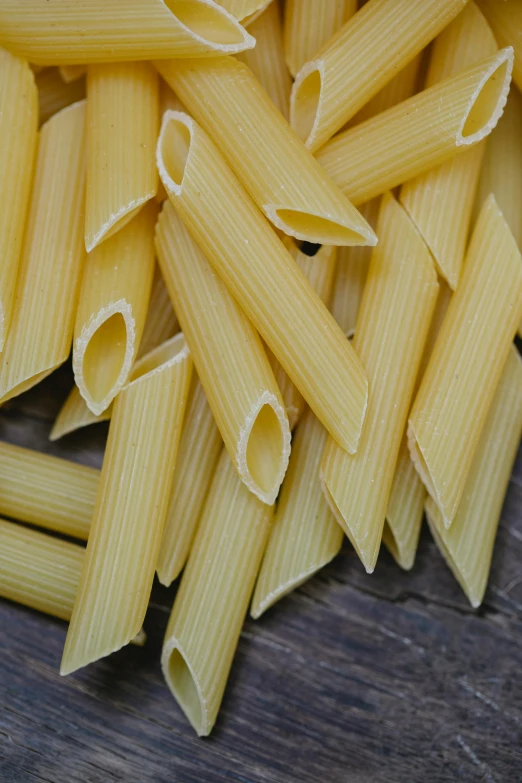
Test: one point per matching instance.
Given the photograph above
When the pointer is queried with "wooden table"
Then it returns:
(351, 679)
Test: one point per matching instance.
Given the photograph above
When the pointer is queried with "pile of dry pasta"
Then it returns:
(274, 180)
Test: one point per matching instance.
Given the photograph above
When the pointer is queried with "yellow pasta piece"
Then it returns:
(72, 32)
(213, 596)
(18, 139)
(421, 132)
(505, 19)
(401, 87)
(51, 263)
(362, 57)
(266, 60)
(199, 450)
(112, 308)
(38, 570)
(284, 180)
(230, 361)
(305, 535)
(351, 271)
(468, 545)
(440, 202)
(263, 277)
(70, 73)
(471, 349)
(244, 10)
(392, 326)
(75, 414)
(123, 124)
(54, 94)
(408, 494)
(48, 491)
(309, 24)
(128, 518)
(317, 263)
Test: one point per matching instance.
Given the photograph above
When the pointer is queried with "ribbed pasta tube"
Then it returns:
(505, 19)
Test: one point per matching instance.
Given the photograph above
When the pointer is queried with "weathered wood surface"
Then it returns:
(352, 679)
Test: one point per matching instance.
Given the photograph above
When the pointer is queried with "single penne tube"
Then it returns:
(505, 19)
(309, 25)
(128, 518)
(464, 368)
(351, 271)
(54, 94)
(161, 324)
(70, 73)
(122, 128)
(421, 132)
(198, 453)
(304, 535)
(376, 43)
(52, 258)
(440, 202)
(317, 263)
(212, 600)
(282, 177)
(112, 307)
(244, 10)
(392, 326)
(39, 570)
(267, 60)
(47, 491)
(408, 494)
(18, 142)
(263, 277)
(229, 358)
(401, 87)
(71, 32)
(468, 545)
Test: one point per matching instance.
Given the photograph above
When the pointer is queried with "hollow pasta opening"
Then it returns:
(104, 357)
(487, 105)
(184, 689)
(264, 450)
(206, 21)
(305, 104)
(174, 149)
(164, 353)
(317, 230)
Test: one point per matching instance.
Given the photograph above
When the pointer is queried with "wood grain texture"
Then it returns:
(351, 679)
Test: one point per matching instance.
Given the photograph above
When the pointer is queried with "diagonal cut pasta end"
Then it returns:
(423, 469)
(184, 686)
(211, 25)
(305, 102)
(321, 229)
(487, 103)
(173, 150)
(403, 554)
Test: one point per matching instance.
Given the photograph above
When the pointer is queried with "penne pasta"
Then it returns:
(18, 140)
(421, 132)
(304, 536)
(505, 19)
(38, 570)
(280, 175)
(213, 596)
(453, 400)
(230, 360)
(401, 87)
(317, 263)
(61, 496)
(408, 494)
(309, 24)
(391, 330)
(362, 57)
(351, 271)
(440, 201)
(128, 518)
(51, 263)
(161, 324)
(262, 277)
(468, 545)
(199, 450)
(244, 10)
(267, 60)
(70, 73)
(112, 308)
(72, 32)
(54, 94)
(123, 124)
